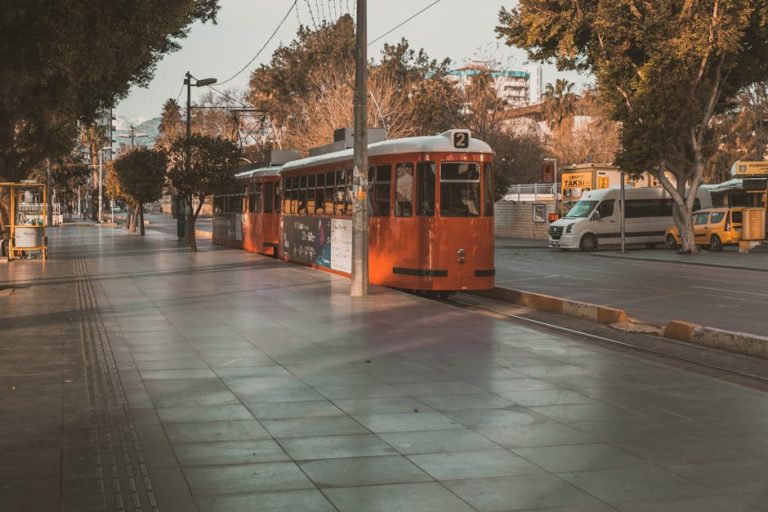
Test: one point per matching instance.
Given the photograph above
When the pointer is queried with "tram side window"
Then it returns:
(348, 194)
(342, 196)
(269, 198)
(285, 199)
(319, 199)
(488, 189)
(380, 187)
(302, 208)
(218, 204)
(459, 189)
(404, 190)
(254, 199)
(329, 192)
(426, 179)
(294, 195)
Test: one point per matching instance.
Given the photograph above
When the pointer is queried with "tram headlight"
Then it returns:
(462, 253)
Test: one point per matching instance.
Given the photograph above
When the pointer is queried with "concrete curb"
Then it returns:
(557, 305)
(736, 342)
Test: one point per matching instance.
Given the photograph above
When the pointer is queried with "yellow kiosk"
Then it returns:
(28, 213)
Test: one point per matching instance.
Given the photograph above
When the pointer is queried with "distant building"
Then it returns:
(518, 88)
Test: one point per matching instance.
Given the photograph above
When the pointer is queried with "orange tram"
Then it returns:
(430, 213)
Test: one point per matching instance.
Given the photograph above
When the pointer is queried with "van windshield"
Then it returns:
(581, 209)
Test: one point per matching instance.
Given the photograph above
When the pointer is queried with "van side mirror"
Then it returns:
(596, 215)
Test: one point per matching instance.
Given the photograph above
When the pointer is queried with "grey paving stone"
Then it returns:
(743, 476)
(424, 497)
(279, 410)
(526, 492)
(204, 413)
(700, 504)
(304, 501)
(203, 431)
(578, 457)
(546, 397)
(363, 471)
(273, 476)
(244, 451)
(380, 405)
(534, 434)
(474, 464)
(447, 402)
(437, 441)
(615, 485)
(404, 422)
(478, 418)
(317, 426)
(334, 447)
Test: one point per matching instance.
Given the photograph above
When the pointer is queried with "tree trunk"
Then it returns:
(141, 218)
(191, 218)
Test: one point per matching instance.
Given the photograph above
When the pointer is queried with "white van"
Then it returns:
(595, 221)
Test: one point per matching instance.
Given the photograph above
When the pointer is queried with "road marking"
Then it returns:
(731, 291)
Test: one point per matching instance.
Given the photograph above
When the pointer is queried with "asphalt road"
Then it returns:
(653, 291)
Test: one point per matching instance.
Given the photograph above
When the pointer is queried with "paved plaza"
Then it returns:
(139, 376)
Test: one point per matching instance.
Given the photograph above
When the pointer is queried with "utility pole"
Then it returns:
(359, 286)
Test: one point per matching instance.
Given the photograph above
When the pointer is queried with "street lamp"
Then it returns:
(180, 206)
(101, 183)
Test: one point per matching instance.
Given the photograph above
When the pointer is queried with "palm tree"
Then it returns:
(559, 102)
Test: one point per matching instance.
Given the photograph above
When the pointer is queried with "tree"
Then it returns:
(308, 87)
(171, 124)
(68, 176)
(559, 102)
(665, 67)
(65, 59)
(484, 107)
(141, 174)
(211, 170)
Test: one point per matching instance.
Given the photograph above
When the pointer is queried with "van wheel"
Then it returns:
(670, 242)
(588, 243)
(715, 244)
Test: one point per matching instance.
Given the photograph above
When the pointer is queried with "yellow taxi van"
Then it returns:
(713, 228)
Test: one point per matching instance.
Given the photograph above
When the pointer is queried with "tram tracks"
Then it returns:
(751, 372)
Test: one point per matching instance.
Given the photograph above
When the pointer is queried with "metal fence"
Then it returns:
(529, 192)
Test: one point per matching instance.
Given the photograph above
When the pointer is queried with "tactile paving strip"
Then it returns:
(124, 481)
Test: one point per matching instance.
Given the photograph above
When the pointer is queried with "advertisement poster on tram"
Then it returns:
(341, 248)
(319, 241)
(308, 240)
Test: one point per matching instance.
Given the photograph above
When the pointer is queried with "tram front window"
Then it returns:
(459, 189)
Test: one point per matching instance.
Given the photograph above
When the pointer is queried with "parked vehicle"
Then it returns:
(712, 228)
(595, 221)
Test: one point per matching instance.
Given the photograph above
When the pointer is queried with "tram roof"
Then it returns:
(441, 143)
(261, 171)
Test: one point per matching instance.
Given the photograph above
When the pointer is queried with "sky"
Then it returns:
(456, 29)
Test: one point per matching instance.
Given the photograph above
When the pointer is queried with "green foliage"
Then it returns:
(141, 174)
(434, 102)
(665, 67)
(212, 166)
(171, 124)
(62, 60)
(500, 185)
(318, 68)
(293, 68)
(559, 102)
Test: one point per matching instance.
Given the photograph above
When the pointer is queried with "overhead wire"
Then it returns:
(293, 5)
(178, 96)
(227, 96)
(382, 36)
